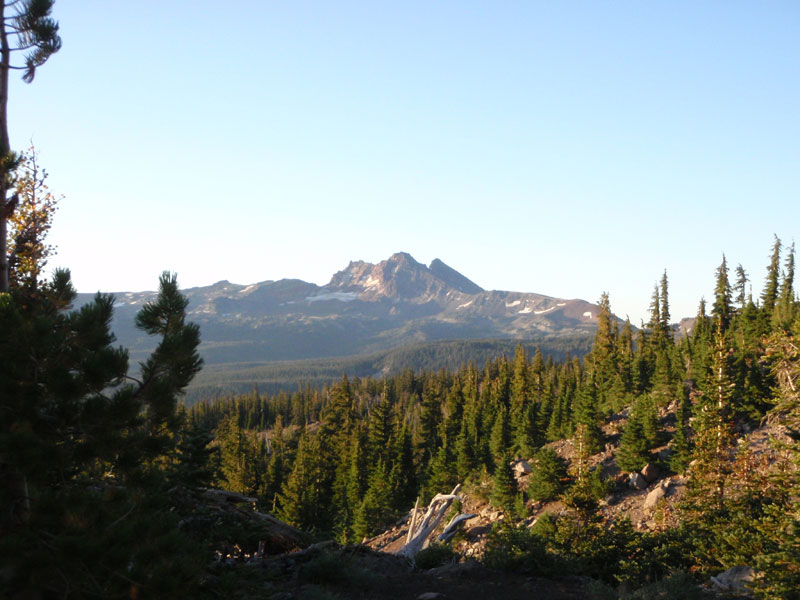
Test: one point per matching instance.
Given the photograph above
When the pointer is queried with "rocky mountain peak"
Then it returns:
(453, 278)
(401, 277)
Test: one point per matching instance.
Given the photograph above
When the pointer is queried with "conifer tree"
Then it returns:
(31, 30)
(465, 455)
(634, 451)
(780, 526)
(376, 507)
(722, 310)
(548, 476)
(80, 437)
(770, 294)
(523, 408)
(196, 457)
(237, 457)
(713, 440)
(681, 446)
(785, 307)
(587, 414)
(403, 474)
(602, 360)
(500, 440)
(379, 427)
(741, 286)
(306, 496)
(504, 486)
(664, 308)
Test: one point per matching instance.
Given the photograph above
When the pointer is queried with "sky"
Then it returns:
(562, 148)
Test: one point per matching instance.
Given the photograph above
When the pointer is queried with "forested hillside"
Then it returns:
(346, 460)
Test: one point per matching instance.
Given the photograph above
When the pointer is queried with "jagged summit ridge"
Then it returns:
(454, 278)
(401, 277)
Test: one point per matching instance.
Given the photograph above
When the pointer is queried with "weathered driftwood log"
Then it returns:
(419, 533)
(452, 527)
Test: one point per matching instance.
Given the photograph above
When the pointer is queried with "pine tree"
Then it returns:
(713, 442)
(741, 286)
(376, 508)
(780, 526)
(664, 324)
(504, 486)
(785, 307)
(587, 415)
(634, 450)
(722, 310)
(306, 496)
(770, 294)
(681, 446)
(195, 455)
(500, 440)
(31, 30)
(548, 476)
(379, 427)
(523, 408)
(81, 439)
(237, 457)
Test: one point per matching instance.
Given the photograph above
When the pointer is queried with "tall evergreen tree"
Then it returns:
(741, 286)
(634, 450)
(785, 307)
(587, 415)
(770, 294)
(665, 325)
(80, 437)
(25, 26)
(722, 310)
(681, 445)
(504, 487)
(713, 442)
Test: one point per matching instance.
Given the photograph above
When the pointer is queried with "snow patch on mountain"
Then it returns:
(341, 296)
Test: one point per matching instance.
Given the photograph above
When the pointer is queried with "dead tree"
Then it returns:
(419, 533)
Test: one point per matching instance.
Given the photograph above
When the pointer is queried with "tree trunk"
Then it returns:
(5, 149)
(419, 533)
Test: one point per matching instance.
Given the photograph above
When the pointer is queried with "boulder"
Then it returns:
(521, 467)
(649, 472)
(734, 579)
(656, 494)
(636, 481)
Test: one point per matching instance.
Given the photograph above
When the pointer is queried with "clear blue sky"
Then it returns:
(565, 148)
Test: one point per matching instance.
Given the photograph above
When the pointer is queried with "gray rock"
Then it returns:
(430, 596)
(734, 579)
(656, 494)
(522, 467)
(636, 481)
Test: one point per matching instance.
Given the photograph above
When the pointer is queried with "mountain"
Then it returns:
(365, 308)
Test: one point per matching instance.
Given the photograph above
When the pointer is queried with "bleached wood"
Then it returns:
(413, 521)
(419, 533)
(452, 527)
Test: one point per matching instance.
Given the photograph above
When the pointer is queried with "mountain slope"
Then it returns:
(365, 308)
